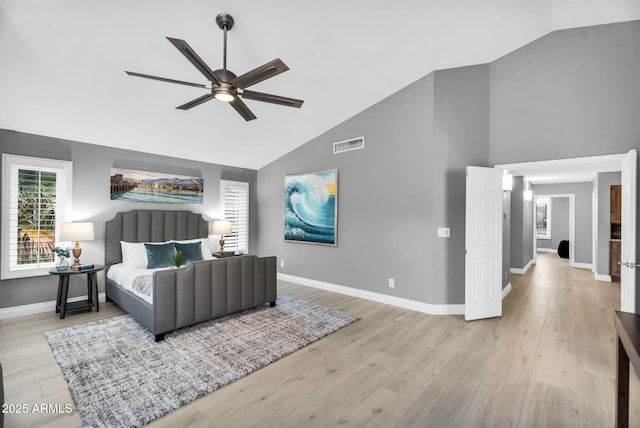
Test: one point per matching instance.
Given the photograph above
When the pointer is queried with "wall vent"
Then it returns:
(348, 145)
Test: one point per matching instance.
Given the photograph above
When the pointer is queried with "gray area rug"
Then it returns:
(119, 377)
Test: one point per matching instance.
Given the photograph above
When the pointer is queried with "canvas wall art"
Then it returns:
(145, 186)
(311, 207)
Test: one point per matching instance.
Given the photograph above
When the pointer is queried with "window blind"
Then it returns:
(543, 220)
(36, 201)
(235, 202)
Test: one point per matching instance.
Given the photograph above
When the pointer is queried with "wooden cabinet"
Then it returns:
(616, 204)
(614, 258)
(616, 224)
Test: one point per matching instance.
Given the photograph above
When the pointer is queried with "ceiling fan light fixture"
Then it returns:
(224, 92)
(224, 96)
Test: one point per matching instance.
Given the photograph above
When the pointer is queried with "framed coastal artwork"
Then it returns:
(311, 207)
(145, 186)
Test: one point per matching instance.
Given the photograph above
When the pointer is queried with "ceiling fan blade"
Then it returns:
(193, 57)
(196, 102)
(164, 79)
(261, 73)
(242, 108)
(274, 99)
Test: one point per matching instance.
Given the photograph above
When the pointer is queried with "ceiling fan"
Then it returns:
(225, 85)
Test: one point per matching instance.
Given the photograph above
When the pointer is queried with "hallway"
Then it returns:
(566, 318)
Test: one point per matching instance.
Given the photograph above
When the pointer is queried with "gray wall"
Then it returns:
(521, 251)
(91, 168)
(393, 195)
(583, 218)
(604, 182)
(571, 93)
(559, 224)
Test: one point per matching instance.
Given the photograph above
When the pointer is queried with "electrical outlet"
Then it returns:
(281, 263)
(444, 232)
(392, 283)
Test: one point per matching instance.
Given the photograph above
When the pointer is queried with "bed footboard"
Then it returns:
(211, 289)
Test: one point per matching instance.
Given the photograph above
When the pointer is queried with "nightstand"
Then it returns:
(225, 255)
(63, 288)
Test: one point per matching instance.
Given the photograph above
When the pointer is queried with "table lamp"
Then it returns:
(221, 227)
(77, 232)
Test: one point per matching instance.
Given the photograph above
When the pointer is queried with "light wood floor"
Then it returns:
(549, 361)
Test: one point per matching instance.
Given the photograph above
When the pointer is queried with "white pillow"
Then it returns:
(134, 255)
(204, 246)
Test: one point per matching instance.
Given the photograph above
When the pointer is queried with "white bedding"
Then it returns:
(128, 278)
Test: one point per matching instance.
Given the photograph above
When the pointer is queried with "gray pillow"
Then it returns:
(191, 252)
(160, 255)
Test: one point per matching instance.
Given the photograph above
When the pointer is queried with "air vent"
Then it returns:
(348, 145)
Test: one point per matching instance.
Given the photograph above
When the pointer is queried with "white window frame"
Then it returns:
(237, 228)
(10, 166)
(547, 199)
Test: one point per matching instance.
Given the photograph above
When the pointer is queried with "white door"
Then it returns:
(483, 243)
(628, 244)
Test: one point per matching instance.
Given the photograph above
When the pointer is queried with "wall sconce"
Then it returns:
(527, 195)
(507, 182)
(77, 232)
(221, 227)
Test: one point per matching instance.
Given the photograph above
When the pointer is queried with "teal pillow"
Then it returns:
(191, 252)
(160, 255)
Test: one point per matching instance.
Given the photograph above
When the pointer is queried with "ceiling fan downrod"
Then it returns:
(225, 22)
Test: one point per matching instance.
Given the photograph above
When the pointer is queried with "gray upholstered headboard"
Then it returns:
(151, 226)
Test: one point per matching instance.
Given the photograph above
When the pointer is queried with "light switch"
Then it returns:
(444, 232)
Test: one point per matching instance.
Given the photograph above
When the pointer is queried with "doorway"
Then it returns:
(584, 170)
(559, 226)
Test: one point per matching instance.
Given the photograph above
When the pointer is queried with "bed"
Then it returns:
(194, 293)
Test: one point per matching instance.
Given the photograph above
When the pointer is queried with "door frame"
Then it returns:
(559, 164)
(628, 276)
(572, 225)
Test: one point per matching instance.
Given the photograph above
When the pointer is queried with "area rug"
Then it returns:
(118, 376)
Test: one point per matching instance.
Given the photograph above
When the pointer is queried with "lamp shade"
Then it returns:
(221, 227)
(77, 232)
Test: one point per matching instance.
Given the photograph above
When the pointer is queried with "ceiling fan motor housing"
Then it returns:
(224, 91)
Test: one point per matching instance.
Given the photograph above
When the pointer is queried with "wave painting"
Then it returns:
(311, 208)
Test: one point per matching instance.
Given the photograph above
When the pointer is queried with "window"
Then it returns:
(36, 200)
(235, 203)
(543, 217)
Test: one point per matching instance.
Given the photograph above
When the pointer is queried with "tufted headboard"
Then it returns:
(150, 226)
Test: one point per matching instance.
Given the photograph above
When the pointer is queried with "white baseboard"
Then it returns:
(582, 265)
(401, 302)
(605, 278)
(506, 290)
(546, 250)
(523, 270)
(38, 308)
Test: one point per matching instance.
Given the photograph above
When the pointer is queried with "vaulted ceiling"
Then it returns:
(62, 64)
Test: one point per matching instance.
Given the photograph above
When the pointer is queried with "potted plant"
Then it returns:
(62, 264)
